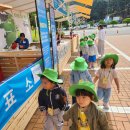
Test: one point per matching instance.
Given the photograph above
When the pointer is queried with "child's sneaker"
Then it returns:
(106, 106)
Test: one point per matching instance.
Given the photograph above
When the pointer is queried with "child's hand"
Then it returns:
(22, 47)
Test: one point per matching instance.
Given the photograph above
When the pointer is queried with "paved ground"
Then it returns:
(119, 113)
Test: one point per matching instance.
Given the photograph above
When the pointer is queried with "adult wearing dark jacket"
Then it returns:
(22, 42)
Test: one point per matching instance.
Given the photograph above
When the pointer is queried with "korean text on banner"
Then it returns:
(16, 90)
(44, 33)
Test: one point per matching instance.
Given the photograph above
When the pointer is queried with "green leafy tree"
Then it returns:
(65, 24)
(99, 10)
(101, 22)
(113, 8)
(91, 23)
(113, 23)
(73, 24)
(32, 19)
(126, 20)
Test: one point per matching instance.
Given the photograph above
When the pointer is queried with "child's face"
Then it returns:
(85, 39)
(109, 62)
(81, 40)
(47, 84)
(83, 101)
(89, 39)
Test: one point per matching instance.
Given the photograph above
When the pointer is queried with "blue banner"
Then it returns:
(60, 6)
(16, 90)
(54, 40)
(44, 33)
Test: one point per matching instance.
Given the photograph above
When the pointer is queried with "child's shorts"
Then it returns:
(92, 58)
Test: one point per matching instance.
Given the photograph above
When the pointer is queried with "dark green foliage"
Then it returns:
(126, 20)
(113, 23)
(113, 8)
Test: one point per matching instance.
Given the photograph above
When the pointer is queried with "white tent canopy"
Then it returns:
(21, 5)
(28, 6)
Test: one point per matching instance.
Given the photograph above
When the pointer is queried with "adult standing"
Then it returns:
(101, 40)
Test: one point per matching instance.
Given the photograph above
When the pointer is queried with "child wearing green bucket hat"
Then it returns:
(92, 53)
(84, 48)
(105, 75)
(52, 99)
(92, 36)
(85, 38)
(85, 115)
(79, 72)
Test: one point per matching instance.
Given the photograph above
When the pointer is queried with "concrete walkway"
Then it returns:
(119, 113)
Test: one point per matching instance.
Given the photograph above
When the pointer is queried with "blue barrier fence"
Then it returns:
(17, 89)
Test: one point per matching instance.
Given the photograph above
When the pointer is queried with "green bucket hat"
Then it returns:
(88, 86)
(92, 36)
(85, 37)
(79, 64)
(51, 75)
(83, 43)
(81, 39)
(110, 55)
(90, 42)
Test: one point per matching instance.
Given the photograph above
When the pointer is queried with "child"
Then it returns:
(79, 72)
(105, 75)
(84, 49)
(82, 43)
(92, 53)
(85, 115)
(86, 39)
(92, 36)
(52, 99)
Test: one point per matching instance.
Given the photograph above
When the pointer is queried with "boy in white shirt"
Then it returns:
(92, 53)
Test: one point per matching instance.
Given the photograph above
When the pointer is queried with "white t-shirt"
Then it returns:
(92, 50)
(84, 49)
(101, 34)
(109, 74)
